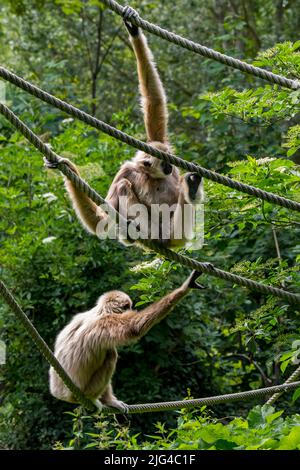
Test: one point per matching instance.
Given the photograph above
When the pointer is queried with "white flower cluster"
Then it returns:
(155, 264)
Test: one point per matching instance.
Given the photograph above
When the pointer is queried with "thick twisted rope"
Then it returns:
(293, 378)
(43, 347)
(204, 51)
(123, 137)
(139, 408)
(206, 268)
(209, 401)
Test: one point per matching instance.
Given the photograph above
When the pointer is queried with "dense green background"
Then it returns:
(224, 338)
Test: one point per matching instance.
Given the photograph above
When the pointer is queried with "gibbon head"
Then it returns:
(114, 301)
(152, 166)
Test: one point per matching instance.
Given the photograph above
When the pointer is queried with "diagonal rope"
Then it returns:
(295, 376)
(43, 347)
(139, 408)
(206, 268)
(204, 51)
(165, 156)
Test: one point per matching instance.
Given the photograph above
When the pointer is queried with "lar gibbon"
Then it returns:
(87, 347)
(146, 180)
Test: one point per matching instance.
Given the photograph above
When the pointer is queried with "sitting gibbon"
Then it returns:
(87, 347)
(145, 179)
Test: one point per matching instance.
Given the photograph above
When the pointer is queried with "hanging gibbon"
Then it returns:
(145, 180)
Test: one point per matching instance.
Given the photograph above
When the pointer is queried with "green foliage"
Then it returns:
(283, 58)
(252, 106)
(219, 340)
(292, 140)
(263, 429)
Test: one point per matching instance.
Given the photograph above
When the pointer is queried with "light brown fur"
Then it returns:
(87, 347)
(144, 179)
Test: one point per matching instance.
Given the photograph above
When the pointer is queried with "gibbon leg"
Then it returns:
(108, 398)
(86, 210)
(101, 377)
(131, 208)
(94, 388)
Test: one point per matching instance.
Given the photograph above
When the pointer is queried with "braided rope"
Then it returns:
(293, 378)
(139, 408)
(204, 51)
(123, 137)
(155, 246)
(43, 347)
(209, 401)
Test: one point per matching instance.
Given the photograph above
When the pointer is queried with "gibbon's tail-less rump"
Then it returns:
(87, 347)
(145, 180)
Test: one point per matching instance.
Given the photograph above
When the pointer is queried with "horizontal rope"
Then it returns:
(205, 51)
(123, 137)
(43, 347)
(293, 378)
(209, 401)
(206, 268)
(139, 408)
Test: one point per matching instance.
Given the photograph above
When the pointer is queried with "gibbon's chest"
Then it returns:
(159, 191)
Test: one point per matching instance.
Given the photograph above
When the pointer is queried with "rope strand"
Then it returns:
(209, 401)
(155, 246)
(138, 144)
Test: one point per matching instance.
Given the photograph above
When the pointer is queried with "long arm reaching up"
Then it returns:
(116, 330)
(154, 100)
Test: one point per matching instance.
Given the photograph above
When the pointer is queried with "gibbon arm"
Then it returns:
(154, 100)
(122, 329)
(87, 211)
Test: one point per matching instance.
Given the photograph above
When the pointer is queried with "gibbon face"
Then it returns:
(114, 302)
(152, 166)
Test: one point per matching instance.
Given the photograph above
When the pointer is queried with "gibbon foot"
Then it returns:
(193, 181)
(118, 404)
(55, 165)
(129, 13)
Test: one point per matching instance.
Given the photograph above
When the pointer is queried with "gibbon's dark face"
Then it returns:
(153, 166)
